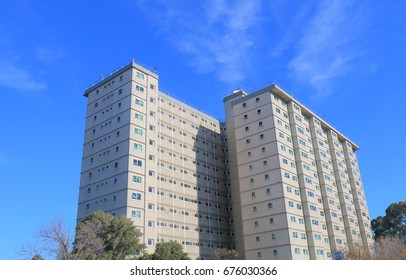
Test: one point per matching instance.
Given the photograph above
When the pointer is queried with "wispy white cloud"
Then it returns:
(215, 35)
(49, 53)
(329, 48)
(15, 76)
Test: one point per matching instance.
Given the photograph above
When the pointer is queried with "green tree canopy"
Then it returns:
(103, 236)
(224, 254)
(393, 223)
(168, 251)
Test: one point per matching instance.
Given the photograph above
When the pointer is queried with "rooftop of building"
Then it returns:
(274, 88)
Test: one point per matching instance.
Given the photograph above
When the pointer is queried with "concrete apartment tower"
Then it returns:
(295, 184)
(275, 181)
(156, 160)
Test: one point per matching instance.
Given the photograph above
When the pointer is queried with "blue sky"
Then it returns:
(343, 59)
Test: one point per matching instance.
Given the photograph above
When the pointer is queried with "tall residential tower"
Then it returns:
(274, 181)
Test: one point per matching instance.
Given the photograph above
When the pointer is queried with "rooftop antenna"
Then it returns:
(101, 77)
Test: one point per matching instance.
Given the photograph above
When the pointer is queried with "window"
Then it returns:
(253, 194)
(297, 250)
(244, 105)
(136, 196)
(257, 99)
(138, 131)
(139, 102)
(295, 234)
(257, 238)
(135, 214)
(139, 116)
(259, 111)
(140, 75)
(150, 224)
(271, 220)
(150, 206)
(139, 88)
(259, 254)
(270, 205)
(268, 191)
(245, 117)
(275, 252)
(138, 146)
(260, 124)
(137, 162)
(137, 179)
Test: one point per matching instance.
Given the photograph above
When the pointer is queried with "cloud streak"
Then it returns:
(16, 77)
(215, 36)
(328, 48)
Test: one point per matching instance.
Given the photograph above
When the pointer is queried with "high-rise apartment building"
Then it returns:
(274, 181)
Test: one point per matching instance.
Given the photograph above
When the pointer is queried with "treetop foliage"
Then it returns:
(103, 236)
(166, 251)
(393, 223)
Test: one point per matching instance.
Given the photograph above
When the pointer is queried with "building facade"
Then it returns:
(274, 181)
